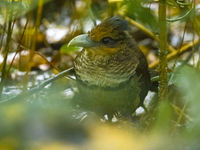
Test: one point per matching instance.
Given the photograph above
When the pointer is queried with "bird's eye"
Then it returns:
(107, 41)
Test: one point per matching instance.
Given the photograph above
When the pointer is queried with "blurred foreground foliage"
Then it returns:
(52, 123)
(33, 43)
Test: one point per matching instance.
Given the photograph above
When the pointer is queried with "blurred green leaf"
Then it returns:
(164, 117)
(138, 12)
(18, 8)
(69, 49)
(188, 80)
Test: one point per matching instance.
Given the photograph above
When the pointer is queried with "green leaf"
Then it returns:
(188, 81)
(138, 12)
(18, 8)
(69, 49)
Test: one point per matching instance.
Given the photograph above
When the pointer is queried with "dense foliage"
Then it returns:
(36, 109)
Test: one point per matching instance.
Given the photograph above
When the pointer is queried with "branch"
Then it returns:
(34, 90)
(175, 54)
(147, 31)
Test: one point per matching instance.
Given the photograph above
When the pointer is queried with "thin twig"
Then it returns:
(7, 46)
(147, 31)
(181, 112)
(50, 63)
(34, 90)
(18, 46)
(176, 53)
(2, 36)
(186, 15)
(181, 44)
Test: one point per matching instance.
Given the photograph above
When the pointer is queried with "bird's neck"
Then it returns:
(104, 70)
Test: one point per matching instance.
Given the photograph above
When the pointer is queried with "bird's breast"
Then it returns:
(103, 71)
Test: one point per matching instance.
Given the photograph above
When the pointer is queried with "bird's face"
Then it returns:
(105, 39)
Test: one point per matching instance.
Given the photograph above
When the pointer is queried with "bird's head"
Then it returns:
(106, 38)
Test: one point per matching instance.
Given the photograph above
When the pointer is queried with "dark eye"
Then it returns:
(108, 41)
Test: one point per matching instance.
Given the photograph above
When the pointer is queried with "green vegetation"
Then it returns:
(37, 85)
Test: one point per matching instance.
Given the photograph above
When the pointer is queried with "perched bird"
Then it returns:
(111, 71)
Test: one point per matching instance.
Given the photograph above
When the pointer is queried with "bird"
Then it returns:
(111, 71)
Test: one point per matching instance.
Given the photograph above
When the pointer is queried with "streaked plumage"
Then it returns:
(112, 73)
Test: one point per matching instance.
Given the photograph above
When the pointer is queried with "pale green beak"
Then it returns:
(82, 41)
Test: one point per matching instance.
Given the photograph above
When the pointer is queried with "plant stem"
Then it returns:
(163, 85)
(3, 71)
(18, 47)
(36, 28)
(34, 39)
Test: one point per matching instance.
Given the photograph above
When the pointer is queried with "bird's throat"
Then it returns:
(102, 51)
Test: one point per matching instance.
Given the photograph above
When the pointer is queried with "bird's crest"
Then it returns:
(112, 27)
